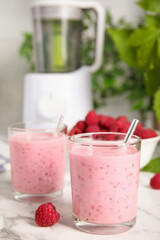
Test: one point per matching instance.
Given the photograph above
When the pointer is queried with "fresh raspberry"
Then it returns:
(92, 128)
(75, 130)
(103, 130)
(146, 133)
(110, 137)
(81, 125)
(113, 127)
(104, 137)
(121, 124)
(46, 215)
(139, 126)
(137, 132)
(126, 127)
(109, 121)
(102, 120)
(92, 118)
(122, 118)
(155, 181)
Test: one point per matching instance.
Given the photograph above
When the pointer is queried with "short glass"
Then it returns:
(104, 181)
(38, 157)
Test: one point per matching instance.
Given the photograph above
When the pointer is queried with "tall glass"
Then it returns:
(104, 181)
(38, 156)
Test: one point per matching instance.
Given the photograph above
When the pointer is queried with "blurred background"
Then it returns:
(15, 20)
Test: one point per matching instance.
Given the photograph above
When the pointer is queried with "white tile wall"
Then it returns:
(15, 19)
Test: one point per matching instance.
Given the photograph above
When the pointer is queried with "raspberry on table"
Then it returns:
(92, 118)
(46, 215)
(155, 181)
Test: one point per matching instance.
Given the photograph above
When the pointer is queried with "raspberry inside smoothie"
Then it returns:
(38, 162)
(104, 183)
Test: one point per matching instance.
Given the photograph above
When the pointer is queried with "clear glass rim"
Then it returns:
(14, 126)
(78, 139)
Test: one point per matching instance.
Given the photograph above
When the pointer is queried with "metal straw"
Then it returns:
(59, 123)
(131, 130)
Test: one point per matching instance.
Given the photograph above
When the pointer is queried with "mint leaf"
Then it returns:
(153, 166)
(152, 81)
(156, 104)
(150, 5)
(141, 36)
(127, 53)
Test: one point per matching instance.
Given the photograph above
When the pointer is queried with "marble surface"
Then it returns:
(17, 218)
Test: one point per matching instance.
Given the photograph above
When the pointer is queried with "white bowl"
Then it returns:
(147, 149)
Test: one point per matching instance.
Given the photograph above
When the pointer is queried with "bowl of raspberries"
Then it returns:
(104, 123)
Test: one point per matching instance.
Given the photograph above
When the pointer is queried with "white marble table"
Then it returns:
(17, 218)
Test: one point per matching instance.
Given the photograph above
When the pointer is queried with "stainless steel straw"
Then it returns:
(131, 130)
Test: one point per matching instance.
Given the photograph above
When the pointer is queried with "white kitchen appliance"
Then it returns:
(61, 85)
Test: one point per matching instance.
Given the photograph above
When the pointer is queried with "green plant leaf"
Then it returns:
(152, 21)
(108, 18)
(150, 5)
(156, 104)
(108, 82)
(153, 166)
(127, 53)
(152, 81)
(137, 105)
(144, 52)
(26, 50)
(158, 47)
(154, 60)
(141, 36)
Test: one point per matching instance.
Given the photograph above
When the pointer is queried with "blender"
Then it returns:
(61, 84)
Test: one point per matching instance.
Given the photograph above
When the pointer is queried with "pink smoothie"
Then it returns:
(37, 162)
(104, 183)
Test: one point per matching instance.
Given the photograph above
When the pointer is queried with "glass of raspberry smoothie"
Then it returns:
(104, 181)
(38, 156)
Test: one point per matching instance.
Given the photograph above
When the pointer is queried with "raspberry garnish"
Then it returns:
(46, 215)
(155, 181)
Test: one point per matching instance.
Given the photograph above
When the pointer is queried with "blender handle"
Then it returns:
(100, 10)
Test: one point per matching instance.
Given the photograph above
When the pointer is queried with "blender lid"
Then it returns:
(51, 9)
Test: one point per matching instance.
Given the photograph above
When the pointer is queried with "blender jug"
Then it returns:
(57, 38)
(57, 34)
